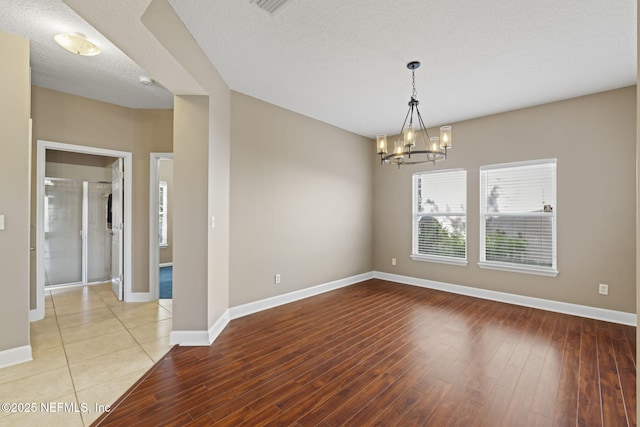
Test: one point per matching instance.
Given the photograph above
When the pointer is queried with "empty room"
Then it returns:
(279, 212)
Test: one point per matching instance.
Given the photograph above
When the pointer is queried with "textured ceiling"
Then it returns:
(110, 77)
(119, 21)
(343, 62)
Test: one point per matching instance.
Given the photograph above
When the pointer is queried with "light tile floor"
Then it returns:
(89, 349)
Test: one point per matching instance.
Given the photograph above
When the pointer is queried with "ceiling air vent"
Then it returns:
(270, 6)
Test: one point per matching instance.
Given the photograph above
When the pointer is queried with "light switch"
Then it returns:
(1, 222)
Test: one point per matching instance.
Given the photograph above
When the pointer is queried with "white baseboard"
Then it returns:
(205, 338)
(543, 304)
(166, 264)
(36, 314)
(13, 356)
(265, 304)
(189, 338)
(140, 297)
(200, 338)
(218, 326)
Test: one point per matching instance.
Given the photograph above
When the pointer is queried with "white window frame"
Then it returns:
(416, 216)
(513, 267)
(162, 214)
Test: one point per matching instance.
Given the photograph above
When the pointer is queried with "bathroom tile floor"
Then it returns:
(87, 351)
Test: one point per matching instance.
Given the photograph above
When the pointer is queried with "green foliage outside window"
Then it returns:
(434, 239)
(502, 247)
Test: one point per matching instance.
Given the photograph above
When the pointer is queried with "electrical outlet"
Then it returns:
(393, 261)
(603, 289)
(276, 278)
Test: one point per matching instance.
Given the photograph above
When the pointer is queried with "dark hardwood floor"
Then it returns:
(380, 353)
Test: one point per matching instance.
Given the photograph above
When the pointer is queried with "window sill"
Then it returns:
(551, 272)
(164, 246)
(440, 259)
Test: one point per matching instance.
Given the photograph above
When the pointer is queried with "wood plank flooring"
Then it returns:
(385, 354)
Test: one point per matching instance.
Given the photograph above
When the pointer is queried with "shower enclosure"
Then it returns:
(77, 238)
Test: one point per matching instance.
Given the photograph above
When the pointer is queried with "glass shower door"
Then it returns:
(63, 232)
(77, 240)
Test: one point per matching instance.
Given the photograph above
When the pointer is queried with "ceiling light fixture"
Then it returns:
(430, 148)
(146, 81)
(77, 43)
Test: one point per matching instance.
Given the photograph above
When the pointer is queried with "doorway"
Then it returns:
(80, 253)
(160, 226)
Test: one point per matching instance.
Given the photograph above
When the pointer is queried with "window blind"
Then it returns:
(440, 215)
(518, 215)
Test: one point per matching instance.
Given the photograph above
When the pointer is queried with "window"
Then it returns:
(162, 215)
(518, 217)
(440, 216)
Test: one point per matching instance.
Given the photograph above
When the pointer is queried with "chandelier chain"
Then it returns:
(414, 93)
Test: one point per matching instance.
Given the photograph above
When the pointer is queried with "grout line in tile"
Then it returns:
(110, 308)
(64, 349)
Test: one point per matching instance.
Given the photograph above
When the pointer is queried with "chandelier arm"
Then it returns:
(424, 141)
(405, 119)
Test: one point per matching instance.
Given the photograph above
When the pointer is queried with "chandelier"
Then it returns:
(414, 145)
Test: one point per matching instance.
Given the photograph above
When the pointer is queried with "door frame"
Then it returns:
(154, 244)
(117, 222)
(42, 147)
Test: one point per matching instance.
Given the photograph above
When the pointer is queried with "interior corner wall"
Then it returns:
(593, 138)
(191, 171)
(72, 119)
(301, 199)
(14, 191)
(219, 198)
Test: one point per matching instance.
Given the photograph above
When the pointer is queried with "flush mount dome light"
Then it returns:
(77, 43)
(146, 81)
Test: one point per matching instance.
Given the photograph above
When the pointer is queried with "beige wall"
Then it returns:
(78, 172)
(79, 159)
(71, 119)
(219, 180)
(191, 183)
(593, 138)
(14, 191)
(301, 200)
(168, 29)
(153, 132)
(166, 174)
